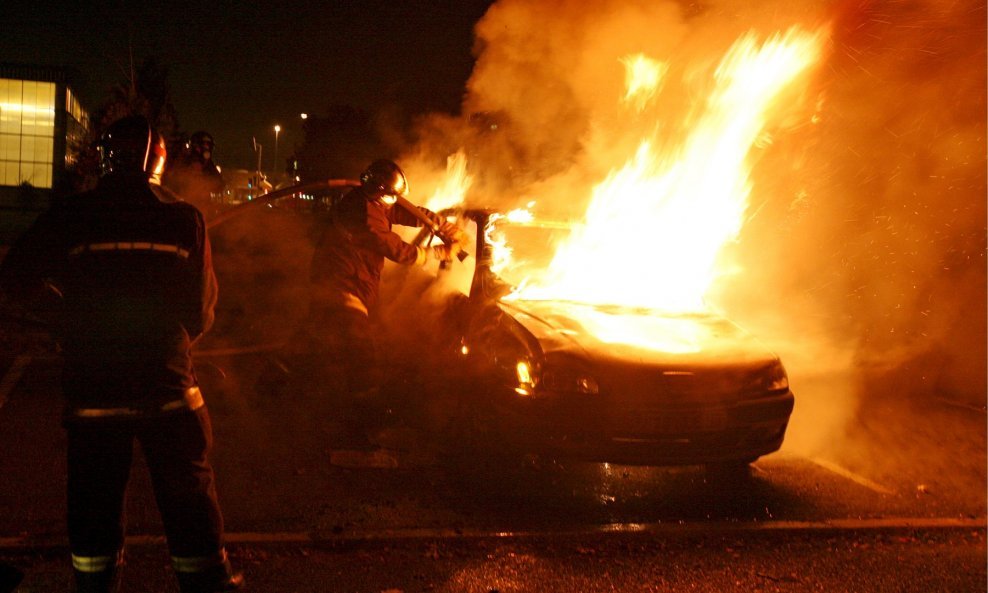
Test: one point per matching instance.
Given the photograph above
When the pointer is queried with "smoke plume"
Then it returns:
(862, 259)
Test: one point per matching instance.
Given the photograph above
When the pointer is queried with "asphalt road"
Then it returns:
(890, 506)
(705, 561)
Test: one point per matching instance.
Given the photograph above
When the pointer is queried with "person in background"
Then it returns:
(193, 176)
(134, 277)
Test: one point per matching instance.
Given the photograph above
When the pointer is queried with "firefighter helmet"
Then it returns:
(201, 144)
(132, 145)
(384, 180)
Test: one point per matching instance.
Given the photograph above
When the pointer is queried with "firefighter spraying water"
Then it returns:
(345, 274)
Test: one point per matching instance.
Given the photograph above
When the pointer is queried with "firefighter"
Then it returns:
(345, 274)
(194, 176)
(137, 289)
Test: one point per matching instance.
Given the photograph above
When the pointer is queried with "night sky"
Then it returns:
(236, 69)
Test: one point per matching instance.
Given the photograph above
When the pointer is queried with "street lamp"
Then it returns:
(258, 148)
(277, 129)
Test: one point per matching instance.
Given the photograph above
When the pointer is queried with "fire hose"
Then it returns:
(284, 192)
(269, 197)
(326, 184)
(428, 223)
(255, 203)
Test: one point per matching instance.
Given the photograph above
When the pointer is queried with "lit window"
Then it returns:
(27, 126)
(9, 172)
(10, 147)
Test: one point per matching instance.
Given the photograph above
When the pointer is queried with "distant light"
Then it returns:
(304, 115)
(277, 128)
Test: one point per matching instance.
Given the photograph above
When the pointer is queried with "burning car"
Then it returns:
(586, 332)
(594, 382)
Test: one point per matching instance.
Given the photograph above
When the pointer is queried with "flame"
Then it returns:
(643, 77)
(453, 189)
(521, 215)
(654, 228)
(501, 252)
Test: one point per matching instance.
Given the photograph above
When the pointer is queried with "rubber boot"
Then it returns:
(97, 574)
(212, 580)
(107, 581)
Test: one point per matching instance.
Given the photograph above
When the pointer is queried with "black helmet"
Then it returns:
(385, 181)
(131, 145)
(201, 143)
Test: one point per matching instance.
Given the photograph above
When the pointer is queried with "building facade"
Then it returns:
(42, 125)
(43, 128)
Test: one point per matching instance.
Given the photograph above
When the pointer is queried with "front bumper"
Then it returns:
(584, 430)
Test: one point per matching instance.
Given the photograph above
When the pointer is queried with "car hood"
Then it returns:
(607, 334)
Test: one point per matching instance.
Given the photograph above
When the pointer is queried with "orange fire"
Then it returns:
(454, 186)
(644, 76)
(654, 228)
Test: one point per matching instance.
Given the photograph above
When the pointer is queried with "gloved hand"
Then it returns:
(451, 233)
(442, 252)
(447, 230)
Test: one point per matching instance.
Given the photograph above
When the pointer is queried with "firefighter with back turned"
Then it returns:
(137, 290)
(345, 276)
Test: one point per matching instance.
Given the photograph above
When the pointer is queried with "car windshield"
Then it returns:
(523, 250)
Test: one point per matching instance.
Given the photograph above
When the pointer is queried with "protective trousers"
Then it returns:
(349, 340)
(175, 447)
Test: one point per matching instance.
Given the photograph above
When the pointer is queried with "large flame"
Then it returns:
(454, 186)
(655, 226)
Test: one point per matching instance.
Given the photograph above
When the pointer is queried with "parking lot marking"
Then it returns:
(846, 473)
(12, 376)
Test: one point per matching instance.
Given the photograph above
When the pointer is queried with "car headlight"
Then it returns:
(519, 372)
(776, 378)
(526, 378)
(570, 380)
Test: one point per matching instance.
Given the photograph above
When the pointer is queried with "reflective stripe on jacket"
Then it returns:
(137, 289)
(191, 400)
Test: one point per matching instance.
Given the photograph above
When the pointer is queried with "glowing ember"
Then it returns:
(655, 226)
